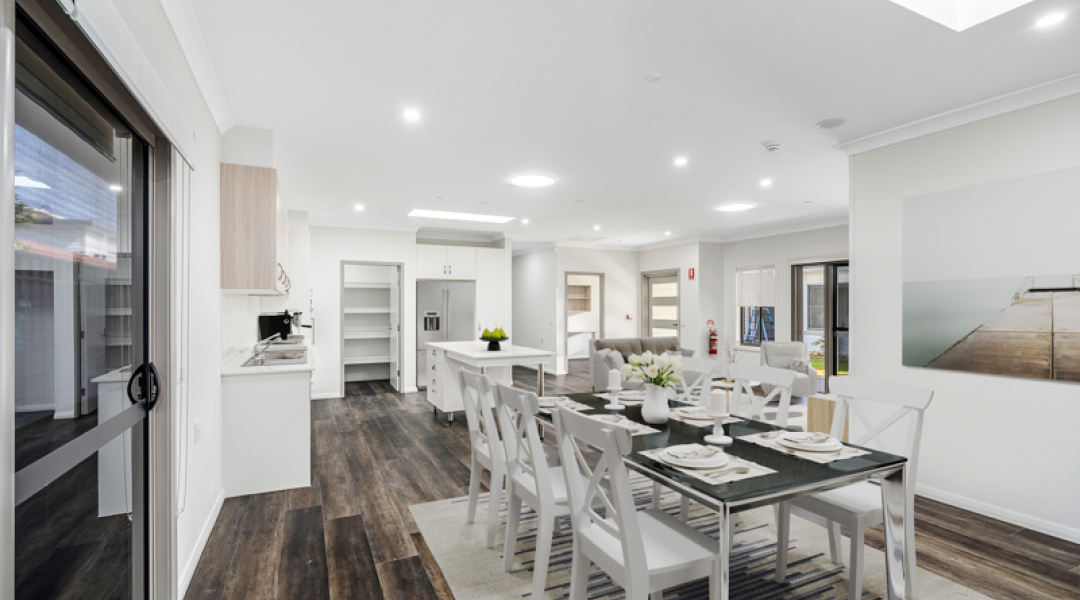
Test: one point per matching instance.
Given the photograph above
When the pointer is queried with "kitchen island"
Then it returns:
(444, 359)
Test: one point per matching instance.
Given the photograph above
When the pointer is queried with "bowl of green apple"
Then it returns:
(493, 337)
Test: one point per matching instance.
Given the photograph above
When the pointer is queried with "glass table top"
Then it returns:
(792, 473)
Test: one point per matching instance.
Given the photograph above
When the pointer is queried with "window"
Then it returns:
(755, 290)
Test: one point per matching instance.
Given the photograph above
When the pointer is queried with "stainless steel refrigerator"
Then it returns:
(445, 312)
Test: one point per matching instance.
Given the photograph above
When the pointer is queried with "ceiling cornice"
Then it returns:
(1038, 94)
(784, 229)
(185, 27)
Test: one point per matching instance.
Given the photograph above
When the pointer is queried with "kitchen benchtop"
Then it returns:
(233, 366)
(478, 350)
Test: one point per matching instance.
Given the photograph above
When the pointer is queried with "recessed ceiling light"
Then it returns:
(412, 115)
(831, 123)
(1050, 19)
(681, 161)
(456, 216)
(524, 221)
(24, 181)
(358, 207)
(766, 182)
(653, 77)
(735, 206)
(596, 228)
(116, 188)
(667, 233)
(532, 180)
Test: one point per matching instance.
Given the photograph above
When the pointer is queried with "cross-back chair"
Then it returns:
(745, 403)
(487, 448)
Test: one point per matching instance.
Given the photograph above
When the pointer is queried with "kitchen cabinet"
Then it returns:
(491, 290)
(445, 262)
(254, 232)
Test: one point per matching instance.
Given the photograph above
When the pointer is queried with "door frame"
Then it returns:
(566, 312)
(401, 315)
(829, 267)
(646, 316)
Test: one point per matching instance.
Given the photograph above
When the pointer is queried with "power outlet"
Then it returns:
(196, 432)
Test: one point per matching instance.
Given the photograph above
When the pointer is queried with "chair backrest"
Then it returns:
(618, 526)
(773, 354)
(746, 404)
(697, 375)
(525, 459)
(479, 400)
(910, 401)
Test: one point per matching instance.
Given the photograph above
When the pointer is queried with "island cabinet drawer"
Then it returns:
(436, 356)
(434, 391)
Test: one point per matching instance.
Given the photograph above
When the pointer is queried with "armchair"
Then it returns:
(792, 356)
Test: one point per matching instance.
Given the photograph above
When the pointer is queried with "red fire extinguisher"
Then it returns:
(714, 337)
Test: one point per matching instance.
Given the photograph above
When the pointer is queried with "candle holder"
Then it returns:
(613, 388)
(718, 436)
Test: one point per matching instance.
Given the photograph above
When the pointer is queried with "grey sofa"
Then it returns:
(794, 356)
(598, 369)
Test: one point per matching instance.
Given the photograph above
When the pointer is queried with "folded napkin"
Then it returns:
(675, 416)
(611, 397)
(769, 440)
(693, 451)
(621, 421)
(725, 474)
(565, 402)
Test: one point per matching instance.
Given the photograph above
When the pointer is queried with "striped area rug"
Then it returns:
(475, 572)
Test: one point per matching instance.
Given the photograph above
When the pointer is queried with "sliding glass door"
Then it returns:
(821, 316)
(83, 381)
(662, 304)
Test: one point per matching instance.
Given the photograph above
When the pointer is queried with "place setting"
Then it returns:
(700, 416)
(548, 404)
(706, 463)
(634, 427)
(817, 447)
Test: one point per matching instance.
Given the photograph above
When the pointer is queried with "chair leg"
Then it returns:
(714, 581)
(512, 518)
(657, 595)
(579, 572)
(684, 509)
(855, 567)
(783, 534)
(543, 553)
(834, 542)
(474, 490)
(655, 495)
(494, 503)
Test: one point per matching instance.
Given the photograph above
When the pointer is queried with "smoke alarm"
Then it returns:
(771, 146)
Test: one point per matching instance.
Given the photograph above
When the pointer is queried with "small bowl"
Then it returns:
(493, 343)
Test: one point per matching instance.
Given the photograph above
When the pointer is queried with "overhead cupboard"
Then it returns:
(254, 232)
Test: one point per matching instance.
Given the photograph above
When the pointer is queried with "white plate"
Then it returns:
(621, 421)
(632, 395)
(551, 401)
(713, 461)
(797, 441)
(698, 413)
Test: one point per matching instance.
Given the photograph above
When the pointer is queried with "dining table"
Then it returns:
(792, 477)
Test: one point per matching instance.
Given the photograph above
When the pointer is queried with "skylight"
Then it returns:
(456, 216)
(959, 15)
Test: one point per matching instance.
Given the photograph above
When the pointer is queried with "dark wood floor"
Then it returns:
(350, 535)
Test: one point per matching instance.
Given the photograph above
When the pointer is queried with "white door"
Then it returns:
(662, 305)
(490, 290)
(395, 329)
(431, 262)
(461, 261)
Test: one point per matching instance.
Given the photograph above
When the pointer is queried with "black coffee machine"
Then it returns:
(279, 323)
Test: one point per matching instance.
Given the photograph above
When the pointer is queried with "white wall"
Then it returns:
(997, 445)
(781, 252)
(711, 288)
(533, 293)
(330, 246)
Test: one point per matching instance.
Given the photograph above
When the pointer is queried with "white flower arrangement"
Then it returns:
(664, 370)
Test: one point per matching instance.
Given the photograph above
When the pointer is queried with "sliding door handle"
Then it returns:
(149, 390)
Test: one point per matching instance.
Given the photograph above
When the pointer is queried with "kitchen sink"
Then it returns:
(268, 359)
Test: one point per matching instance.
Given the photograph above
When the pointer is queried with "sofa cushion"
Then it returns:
(624, 347)
(613, 360)
(798, 364)
(659, 345)
(688, 353)
(780, 361)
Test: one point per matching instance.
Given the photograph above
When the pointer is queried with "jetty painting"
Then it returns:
(991, 278)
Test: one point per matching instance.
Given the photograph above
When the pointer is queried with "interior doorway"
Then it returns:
(820, 293)
(371, 308)
(584, 312)
(660, 291)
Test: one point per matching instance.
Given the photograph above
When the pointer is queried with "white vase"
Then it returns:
(655, 409)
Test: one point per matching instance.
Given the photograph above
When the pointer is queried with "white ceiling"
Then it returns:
(559, 87)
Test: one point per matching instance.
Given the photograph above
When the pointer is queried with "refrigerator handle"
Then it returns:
(449, 324)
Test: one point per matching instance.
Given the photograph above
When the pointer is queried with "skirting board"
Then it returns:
(200, 545)
(35, 408)
(1009, 516)
(331, 395)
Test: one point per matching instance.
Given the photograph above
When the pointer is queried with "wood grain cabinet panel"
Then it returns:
(254, 231)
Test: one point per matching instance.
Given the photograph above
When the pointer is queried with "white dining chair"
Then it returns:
(487, 448)
(529, 479)
(859, 505)
(745, 403)
(646, 551)
(697, 379)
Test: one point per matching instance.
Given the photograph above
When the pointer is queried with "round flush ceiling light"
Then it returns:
(831, 123)
(358, 207)
(680, 161)
(766, 182)
(735, 206)
(532, 180)
(411, 115)
(1050, 19)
